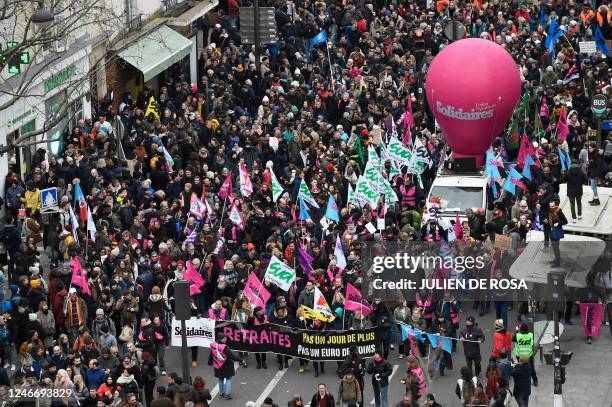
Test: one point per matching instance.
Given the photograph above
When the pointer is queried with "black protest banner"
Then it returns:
(300, 343)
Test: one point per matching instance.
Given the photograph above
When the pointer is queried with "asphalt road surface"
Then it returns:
(251, 384)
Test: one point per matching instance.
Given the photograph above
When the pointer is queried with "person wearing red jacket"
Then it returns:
(502, 339)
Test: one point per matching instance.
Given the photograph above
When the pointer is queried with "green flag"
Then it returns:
(514, 137)
(358, 149)
(277, 188)
(306, 194)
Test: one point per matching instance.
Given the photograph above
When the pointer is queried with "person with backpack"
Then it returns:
(380, 370)
(521, 373)
(222, 359)
(349, 391)
(466, 386)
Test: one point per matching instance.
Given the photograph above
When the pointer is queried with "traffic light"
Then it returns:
(24, 57)
(14, 67)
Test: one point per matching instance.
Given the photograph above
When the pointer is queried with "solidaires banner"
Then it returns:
(300, 343)
(200, 332)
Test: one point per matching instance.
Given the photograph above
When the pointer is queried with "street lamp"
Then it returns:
(43, 17)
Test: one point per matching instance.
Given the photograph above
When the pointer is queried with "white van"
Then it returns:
(458, 193)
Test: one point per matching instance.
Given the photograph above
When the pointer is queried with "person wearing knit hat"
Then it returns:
(524, 347)
(502, 339)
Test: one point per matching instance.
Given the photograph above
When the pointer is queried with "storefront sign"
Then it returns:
(19, 118)
(60, 78)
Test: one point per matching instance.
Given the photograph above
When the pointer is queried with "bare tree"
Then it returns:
(74, 20)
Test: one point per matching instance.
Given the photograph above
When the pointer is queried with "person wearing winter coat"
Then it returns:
(222, 359)
(596, 169)
(556, 220)
(349, 391)
(47, 322)
(322, 397)
(521, 373)
(502, 339)
(100, 320)
(473, 336)
(380, 370)
(575, 179)
(94, 376)
(282, 317)
(381, 319)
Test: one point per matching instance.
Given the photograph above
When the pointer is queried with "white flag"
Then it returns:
(91, 225)
(306, 194)
(320, 303)
(277, 189)
(235, 217)
(339, 253)
(280, 274)
(75, 225)
(246, 186)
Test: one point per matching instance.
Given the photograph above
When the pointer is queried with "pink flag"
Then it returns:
(246, 186)
(236, 217)
(255, 291)
(457, 228)
(194, 278)
(408, 118)
(227, 189)
(523, 151)
(591, 318)
(355, 301)
(407, 140)
(544, 108)
(562, 126)
(78, 276)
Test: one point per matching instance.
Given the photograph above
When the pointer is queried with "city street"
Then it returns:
(588, 382)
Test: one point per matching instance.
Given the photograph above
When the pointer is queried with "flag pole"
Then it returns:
(222, 213)
(331, 72)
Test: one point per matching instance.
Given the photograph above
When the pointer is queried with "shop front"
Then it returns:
(58, 89)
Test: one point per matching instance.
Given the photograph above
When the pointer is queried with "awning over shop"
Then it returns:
(154, 52)
(191, 15)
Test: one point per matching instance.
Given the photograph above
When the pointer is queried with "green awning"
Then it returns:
(152, 53)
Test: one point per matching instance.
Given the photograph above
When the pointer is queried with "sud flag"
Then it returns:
(80, 199)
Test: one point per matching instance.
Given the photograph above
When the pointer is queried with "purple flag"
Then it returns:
(305, 261)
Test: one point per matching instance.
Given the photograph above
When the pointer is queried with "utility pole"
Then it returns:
(256, 26)
(556, 281)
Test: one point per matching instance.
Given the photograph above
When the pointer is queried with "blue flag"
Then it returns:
(562, 159)
(332, 209)
(513, 180)
(492, 167)
(407, 331)
(600, 41)
(447, 344)
(304, 215)
(542, 20)
(320, 38)
(553, 35)
(527, 168)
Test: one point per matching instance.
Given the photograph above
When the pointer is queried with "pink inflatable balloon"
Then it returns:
(472, 87)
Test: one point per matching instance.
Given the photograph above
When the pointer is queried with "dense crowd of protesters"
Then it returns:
(307, 115)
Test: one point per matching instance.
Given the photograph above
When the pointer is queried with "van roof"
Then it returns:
(460, 180)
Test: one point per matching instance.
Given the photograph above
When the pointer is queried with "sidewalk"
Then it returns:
(588, 374)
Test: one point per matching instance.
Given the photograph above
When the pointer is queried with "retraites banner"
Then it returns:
(300, 343)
